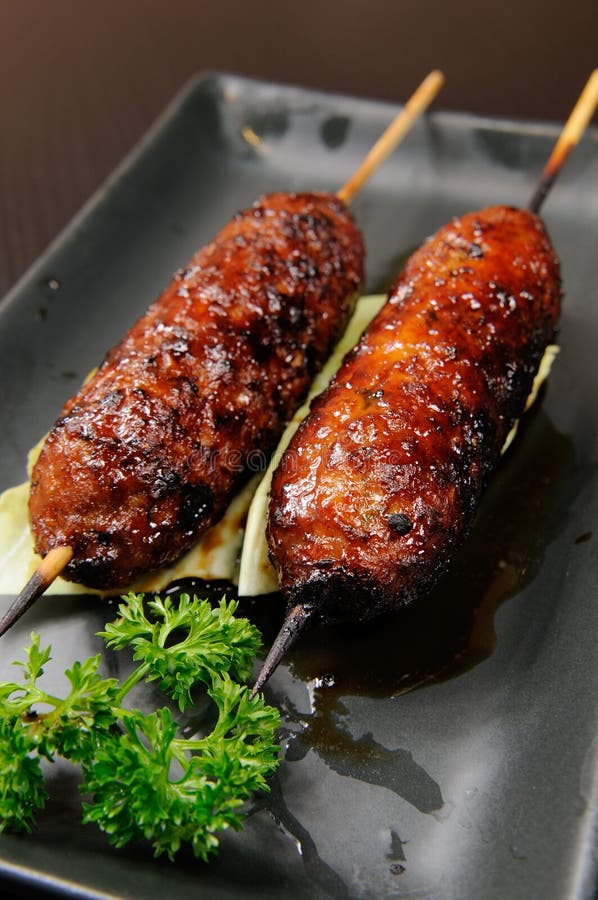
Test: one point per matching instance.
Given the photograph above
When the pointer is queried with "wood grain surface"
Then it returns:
(81, 81)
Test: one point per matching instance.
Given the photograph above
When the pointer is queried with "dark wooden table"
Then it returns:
(80, 82)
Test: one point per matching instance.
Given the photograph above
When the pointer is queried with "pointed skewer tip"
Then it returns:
(295, 623)
(49, 568)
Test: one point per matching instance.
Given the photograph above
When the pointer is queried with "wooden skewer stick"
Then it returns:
(49, 568)
(396, 131)
(295, 623)
(573, 129)
(55, 561)
(299, 617)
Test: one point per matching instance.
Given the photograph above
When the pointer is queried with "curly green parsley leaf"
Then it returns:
(22, 788)
(212, 642)
(144, 778)
(149, 784)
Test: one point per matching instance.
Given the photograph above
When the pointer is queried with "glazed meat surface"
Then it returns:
(146, 456)
(382, 480)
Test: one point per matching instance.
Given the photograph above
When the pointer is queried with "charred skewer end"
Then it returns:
(49, 568)
(571, 134)
(295, 623)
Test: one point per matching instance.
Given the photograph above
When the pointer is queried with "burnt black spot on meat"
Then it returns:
(483, 429)
(94, 570)
(165, 483)
(431, 316)
(400, 523)
(294, 314)
(259, 345)
(196, 507)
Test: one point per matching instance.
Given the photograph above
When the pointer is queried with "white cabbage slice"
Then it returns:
(256, 573)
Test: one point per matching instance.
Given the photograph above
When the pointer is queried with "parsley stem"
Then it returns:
(181, 746)
(134, 678)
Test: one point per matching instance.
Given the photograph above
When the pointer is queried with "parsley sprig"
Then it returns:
(144, 778)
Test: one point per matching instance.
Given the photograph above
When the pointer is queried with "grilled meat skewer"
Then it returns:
(146, 456)
(388, 468)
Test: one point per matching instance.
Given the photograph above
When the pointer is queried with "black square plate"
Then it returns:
(483, 781)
